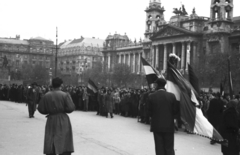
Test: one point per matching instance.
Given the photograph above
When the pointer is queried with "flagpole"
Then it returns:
(56, 52)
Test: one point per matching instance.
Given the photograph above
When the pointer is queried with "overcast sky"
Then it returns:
(87, 18)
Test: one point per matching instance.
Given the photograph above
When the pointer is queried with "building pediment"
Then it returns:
(172, 31)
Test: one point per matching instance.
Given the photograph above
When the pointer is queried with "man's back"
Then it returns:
(162, 109)
(56, 102)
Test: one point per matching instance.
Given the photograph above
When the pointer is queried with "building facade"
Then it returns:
(188, 36)
(33, 51)
(75, 56)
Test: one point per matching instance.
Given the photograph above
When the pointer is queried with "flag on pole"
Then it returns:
(91, 87)
(191, 114)
(193, 79)
(230, 79)
(151, 73)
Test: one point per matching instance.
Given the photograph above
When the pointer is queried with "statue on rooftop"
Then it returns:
(194, 11)
(5, 62)
(181, 11)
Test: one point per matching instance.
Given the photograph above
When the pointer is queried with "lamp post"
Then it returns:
(50, 75)
(84, 66)
(56, 52)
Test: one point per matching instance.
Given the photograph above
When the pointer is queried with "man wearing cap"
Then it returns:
(162, 110)
(58, 131)
(32, 99)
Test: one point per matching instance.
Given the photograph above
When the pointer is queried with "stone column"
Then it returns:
(188, 55)
(174, 48)
(109, 62)
(165, 58)
(157, 57)
(183, 56)
(194, 52)
(124, 58)
(119, 58)
(152, 56)
(134, 62)
(139, 62)
(129, 59)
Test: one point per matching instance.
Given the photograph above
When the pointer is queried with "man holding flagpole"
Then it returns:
(162, 110)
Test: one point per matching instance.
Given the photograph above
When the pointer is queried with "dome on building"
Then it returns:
(39, 38)
(117, 36)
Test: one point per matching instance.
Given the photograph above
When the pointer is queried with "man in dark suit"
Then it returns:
(32, 99)
(162, 110)
(215, 112)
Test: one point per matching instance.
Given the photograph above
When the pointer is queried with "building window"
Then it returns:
(17, 62)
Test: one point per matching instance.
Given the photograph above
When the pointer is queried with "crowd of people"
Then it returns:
(221, 110)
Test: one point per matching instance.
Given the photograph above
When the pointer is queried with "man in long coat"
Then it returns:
(215, 112)
(162, 110)
(32, 99)
(229, 129)
(58, 131)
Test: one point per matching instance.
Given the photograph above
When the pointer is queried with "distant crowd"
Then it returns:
(122, 101)
(128, 102)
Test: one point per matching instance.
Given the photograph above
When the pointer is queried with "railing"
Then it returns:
(123, 46)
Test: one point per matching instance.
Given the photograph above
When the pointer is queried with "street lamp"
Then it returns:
(50, 75)
(56, 52)
(84, 66)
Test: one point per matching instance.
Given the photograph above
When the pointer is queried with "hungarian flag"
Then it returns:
(191, 114)
(193, 79)
(91, 87)
(151, 73)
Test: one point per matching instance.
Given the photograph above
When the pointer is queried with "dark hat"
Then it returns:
(34, 84)
(160, 82)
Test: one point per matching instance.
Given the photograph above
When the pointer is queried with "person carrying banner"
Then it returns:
(162, 110)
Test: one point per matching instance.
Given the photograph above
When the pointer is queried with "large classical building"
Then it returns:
(188, 36)
(33, 51)
(77, 55)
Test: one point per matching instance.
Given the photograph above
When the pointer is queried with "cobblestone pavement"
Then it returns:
(93, 135)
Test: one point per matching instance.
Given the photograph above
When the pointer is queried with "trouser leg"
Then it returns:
(169, 143)
(87, 105)
(159, 144)
(30, 110)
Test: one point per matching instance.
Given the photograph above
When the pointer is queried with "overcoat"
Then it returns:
(162, 109)
(215, 112)
(109, 103)
(58, 131)
(229, 131)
